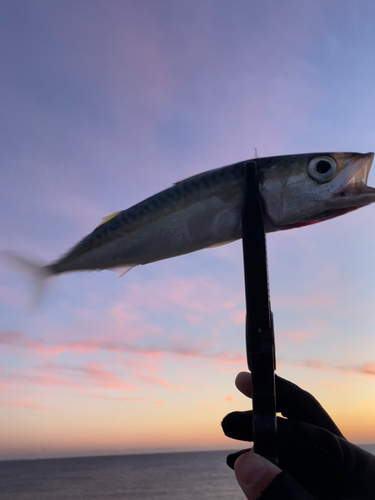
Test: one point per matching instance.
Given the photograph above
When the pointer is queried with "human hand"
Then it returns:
(316, 461)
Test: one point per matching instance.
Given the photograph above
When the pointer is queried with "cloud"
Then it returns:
(128, 366)
(125, 317)
(100, 377)
(28, 405)
(316, 364)
(198, 295)
(299, 337)
(153, 380)
(368, 369)
(27, 377)
(238, 317)
(13, 338)
(89, 346)
(113, 398)
(92, 374)
(229, 399)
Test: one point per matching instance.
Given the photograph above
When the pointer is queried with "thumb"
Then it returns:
(254, 473)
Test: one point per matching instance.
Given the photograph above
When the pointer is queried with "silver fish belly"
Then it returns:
(199, 212)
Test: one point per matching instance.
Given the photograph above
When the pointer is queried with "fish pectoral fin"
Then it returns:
(107, 218)
(123, 270)
(220, 244)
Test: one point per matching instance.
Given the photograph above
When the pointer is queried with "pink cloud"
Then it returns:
(92, 374)
(368, 369)
(234, 356)
(149, 379)
(238, 317)
(127, 320)
(11, 337)
(27, 377)
(18, 339)
(229, 399)
(201, 349)
(29, 405)
(120, 399)
(104, 378)
(299, 337)
(228, 305)
(197, 295)
(317, 365)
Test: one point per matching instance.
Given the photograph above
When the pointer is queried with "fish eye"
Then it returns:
(322, 168)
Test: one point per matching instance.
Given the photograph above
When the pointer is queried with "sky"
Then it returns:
(104, 103)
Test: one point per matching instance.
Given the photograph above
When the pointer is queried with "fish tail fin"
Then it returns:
(36, 273)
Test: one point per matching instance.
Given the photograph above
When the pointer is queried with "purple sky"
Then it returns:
(106, 103)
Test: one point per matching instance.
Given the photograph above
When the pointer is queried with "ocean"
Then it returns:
(164, 476)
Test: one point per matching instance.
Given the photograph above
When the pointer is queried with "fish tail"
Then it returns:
(37, 274)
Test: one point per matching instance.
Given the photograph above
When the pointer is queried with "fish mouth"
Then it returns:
(353, 188)
(353, 192)
(356, 191)
(359, 175)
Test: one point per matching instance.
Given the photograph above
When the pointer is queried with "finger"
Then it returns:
(297, 404)
(243, 383)
(232, 457)
(292, 401)
(254, 474)
(314, 457)
(284, 486)
(238, 425)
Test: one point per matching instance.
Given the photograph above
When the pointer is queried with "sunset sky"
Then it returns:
(104, 103)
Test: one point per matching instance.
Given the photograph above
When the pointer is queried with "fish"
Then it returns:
(205, 210)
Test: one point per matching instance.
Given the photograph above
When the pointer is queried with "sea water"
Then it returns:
(164, 476)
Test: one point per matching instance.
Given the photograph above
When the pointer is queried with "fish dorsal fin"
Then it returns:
(107, 218)
(121, 270)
